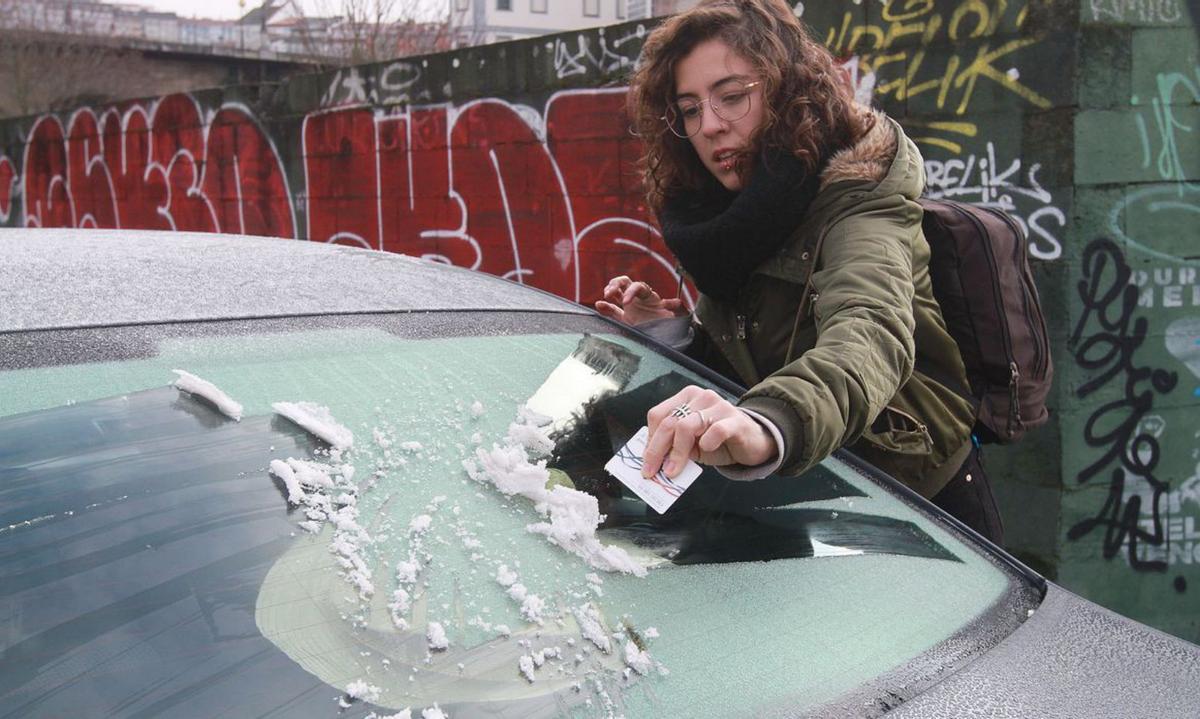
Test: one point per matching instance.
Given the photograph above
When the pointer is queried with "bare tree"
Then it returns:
(41, 72)
(352, 32)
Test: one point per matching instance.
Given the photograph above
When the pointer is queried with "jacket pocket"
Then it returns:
(895, 430)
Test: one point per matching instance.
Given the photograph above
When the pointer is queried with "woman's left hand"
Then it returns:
(698, 424)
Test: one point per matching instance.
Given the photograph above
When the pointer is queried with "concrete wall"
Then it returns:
(1079, 118)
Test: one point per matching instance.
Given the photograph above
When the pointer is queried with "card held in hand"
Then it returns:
(660, 492)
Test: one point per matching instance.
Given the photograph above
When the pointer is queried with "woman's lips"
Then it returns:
(726, 159)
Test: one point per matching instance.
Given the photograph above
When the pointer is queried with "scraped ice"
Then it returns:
(505, 576)
(318, 420)
(573, 515)
(532, 608)
(192, 384)
(434, 712)
(362, 691)
(328, 495)
(436, 634)
(525, 664)
(637, 659)
(592, 628)
(280, 469)
(477, 408)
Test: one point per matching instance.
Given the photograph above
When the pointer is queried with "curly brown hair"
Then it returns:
(809, 106)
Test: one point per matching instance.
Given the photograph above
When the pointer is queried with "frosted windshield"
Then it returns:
(402, 572)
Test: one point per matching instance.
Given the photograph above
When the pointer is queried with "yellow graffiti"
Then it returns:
(896, 50)
(966, 129)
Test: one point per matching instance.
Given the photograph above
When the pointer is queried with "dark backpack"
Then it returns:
(979, 268)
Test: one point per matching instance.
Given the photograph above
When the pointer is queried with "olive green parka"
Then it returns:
(836, 355)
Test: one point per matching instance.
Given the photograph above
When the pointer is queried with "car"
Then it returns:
(250, 477)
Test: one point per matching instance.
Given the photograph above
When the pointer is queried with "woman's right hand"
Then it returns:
(636, 302)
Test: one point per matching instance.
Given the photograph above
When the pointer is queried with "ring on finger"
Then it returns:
(681, 411)
(705, 421)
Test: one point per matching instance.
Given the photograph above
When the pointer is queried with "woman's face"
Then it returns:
(712, 74)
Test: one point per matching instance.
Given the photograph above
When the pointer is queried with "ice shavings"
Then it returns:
(525, 666)
(505, 577)
(362, 691)
(192, 384)
(532, 608)
(436, 634)
(318, 420)
(591, 626)
(434, 712)
(408, 571)
(528, 663)
(637, 659)
(328, 494)
(281, 469)
(573, 515)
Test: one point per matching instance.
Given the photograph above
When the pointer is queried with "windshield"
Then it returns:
(412, 512)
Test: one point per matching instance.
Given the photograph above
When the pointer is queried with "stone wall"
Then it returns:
(1079, 119)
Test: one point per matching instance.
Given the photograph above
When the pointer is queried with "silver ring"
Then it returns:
(681, 411)
(704, 421)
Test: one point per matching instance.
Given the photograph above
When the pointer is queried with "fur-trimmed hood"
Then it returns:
(870, 159)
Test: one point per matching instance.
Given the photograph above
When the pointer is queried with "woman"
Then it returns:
(794, 212)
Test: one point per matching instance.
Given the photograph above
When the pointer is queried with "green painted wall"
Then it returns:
(1082, 119)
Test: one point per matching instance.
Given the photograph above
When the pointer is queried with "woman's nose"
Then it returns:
(710, 122)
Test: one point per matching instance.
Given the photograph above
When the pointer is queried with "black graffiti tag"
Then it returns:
(1109, 299)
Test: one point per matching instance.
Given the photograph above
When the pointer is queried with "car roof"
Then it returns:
(65, 278)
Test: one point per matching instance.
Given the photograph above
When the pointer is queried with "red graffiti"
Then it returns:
(8, 180)
(550, 200)
(554, 205)
(163, 167)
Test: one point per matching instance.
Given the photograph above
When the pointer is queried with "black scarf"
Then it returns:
(720, 237)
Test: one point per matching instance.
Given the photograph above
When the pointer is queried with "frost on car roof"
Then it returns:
(86, 278)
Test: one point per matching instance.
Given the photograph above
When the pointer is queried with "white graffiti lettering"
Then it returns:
(593, 53)
(347, 88)
(1148, 11)
(981, 180)
(390, 85)
(395, 80)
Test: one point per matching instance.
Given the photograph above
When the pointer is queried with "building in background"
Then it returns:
(477, 22)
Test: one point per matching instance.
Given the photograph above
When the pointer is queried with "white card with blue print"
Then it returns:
(660, 491)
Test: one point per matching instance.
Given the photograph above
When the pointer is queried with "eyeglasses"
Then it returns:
(730, 103)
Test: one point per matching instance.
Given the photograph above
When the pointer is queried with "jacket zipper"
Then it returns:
(1014, 397)
(741, 327)
(1032, 314)
(922, 428)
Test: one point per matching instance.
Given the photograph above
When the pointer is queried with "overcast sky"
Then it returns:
(232, 9)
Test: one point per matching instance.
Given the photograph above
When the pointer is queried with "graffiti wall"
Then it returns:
(1079, 119)
(1131, 502)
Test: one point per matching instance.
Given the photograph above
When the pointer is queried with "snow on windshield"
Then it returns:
(316, 419)
(553, 636)
(192, 384)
